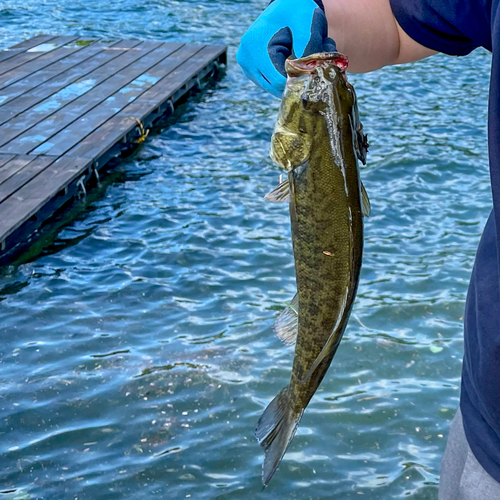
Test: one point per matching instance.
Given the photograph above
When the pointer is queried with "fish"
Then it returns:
(318, 140)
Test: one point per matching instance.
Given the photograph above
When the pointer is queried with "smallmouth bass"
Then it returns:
(318, 140)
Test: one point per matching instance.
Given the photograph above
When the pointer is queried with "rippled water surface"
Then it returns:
(137, 351)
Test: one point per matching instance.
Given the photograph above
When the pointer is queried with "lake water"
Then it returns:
(137, 351)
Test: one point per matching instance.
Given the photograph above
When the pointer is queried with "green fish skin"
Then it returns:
(318, 140)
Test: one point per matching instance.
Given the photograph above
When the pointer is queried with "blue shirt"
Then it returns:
(457, 27)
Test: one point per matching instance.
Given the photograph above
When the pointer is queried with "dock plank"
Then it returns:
(12, 166)
(79, 129)
(18, 86)
(33, 70)
(33, 53)
(60, 92)
(28, 200)
(23, 175)
(167, 87)
(5, 159)
(117, 83)
(31, 42)
(122, 123)
(30, 67)
(24, 46)
(96, 67)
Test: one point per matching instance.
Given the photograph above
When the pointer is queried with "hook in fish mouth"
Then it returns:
(309, 64)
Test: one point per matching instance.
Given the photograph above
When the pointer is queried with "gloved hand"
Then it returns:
(286, 28)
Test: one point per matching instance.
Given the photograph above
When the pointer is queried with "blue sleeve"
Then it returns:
(455, 27)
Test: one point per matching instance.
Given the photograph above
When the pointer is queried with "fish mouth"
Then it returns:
(310, 64)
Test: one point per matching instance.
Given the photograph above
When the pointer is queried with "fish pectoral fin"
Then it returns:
(280, 193)
(289, 149)
(365, 202)
(286, 325)
(274, 432)
(329, 348)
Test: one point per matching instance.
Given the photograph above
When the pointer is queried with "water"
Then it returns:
(137, 351)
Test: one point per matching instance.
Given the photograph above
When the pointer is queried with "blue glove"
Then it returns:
(286, 28)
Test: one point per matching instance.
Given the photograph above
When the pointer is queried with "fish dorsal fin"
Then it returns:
(330, 347)
(360, 138)
(280, 194)
(286, 325)
(362, 143)
(365, 202)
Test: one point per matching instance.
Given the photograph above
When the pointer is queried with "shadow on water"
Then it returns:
(12, 289)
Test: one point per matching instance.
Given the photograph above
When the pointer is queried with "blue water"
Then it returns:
(137, 350)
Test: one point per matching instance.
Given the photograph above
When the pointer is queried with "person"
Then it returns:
(377, 33)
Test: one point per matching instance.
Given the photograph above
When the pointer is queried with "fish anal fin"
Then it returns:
(280, 194)
(275, 430)
(365, 202)
(286, 325)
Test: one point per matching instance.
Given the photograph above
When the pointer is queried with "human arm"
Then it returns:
(367, 32)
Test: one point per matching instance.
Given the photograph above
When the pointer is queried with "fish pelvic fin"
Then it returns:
(280, 194)
(286, 325)
(274, 432)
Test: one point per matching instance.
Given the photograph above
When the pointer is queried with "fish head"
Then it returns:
(321, 68)
(316, 85)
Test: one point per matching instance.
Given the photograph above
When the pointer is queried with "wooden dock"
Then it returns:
(68, 105)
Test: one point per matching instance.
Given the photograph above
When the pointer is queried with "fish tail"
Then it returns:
(275, 430)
